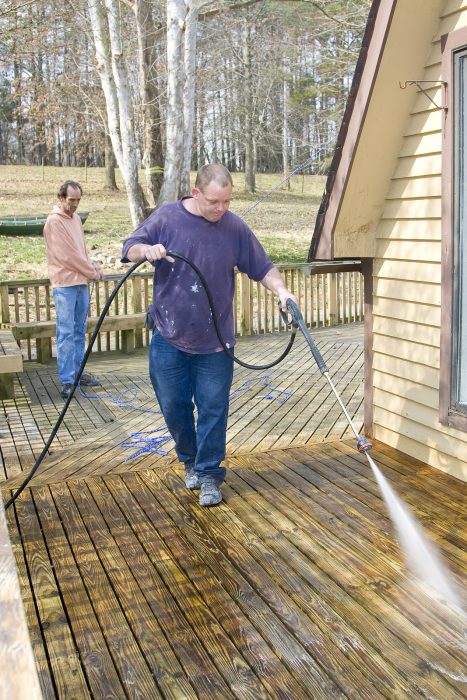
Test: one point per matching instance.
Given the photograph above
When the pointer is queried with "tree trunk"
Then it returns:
(176, 11)
(152, 159)
(111, 68)
(191, 28)
(285, 130)
(109, 156)
(250, 184)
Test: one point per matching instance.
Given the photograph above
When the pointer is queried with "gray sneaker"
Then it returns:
(65, 391)
(191, 478)
(210, 494)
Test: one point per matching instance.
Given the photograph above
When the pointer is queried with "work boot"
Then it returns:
(88, 380)
(66, 390)
(210, 494)
(191, 478)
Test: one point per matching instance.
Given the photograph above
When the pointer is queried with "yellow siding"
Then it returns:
(406, 369)
(424, 122)
(411, 291)
(429, 272)
(422, 251)
(425, 335)
(412, 209)
(415, 187)
(411, 166)
(407, 350)
(407, 284)
(427, 453)
(421, 144)
(391, 385)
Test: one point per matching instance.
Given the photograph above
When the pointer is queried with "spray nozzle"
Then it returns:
(363, 444)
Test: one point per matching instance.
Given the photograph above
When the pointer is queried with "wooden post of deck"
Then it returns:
(18, 673)
(245, 305)
(4, 304)
(333, 299)
(137, 307)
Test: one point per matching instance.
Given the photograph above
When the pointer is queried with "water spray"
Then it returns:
(420, 554)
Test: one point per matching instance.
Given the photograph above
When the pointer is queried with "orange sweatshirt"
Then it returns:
(67, 257)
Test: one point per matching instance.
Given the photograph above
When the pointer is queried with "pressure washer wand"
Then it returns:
(363, 444)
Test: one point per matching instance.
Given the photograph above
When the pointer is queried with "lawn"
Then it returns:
(283, 222)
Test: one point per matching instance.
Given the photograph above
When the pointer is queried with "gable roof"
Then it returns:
(395, 46)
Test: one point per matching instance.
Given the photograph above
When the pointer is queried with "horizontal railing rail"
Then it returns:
(329, 293)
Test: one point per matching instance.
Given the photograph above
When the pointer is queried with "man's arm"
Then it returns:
(150, 252)
(274, 281)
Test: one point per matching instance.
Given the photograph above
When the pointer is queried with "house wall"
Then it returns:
(407, 308)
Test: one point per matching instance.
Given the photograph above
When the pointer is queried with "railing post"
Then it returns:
(245, 305)
(18, 672)
(137, 307)
(4, 305)
(333, 299)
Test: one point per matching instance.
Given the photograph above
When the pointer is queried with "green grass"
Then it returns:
(283, 223)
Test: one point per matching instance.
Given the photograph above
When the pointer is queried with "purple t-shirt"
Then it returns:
(180, 306)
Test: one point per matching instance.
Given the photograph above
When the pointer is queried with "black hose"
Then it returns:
(216, 321)
(95, 333)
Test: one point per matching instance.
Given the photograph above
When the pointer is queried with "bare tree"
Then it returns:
(105, 22)
(152, 159)
(191, 30)
(176, 13)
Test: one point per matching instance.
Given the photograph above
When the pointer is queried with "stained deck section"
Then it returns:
(294, 587)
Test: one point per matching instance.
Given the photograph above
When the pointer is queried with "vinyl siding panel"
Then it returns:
(421, 449)
(423, 123)
(420, 166)
(410, 230)
(411, 270)
(390, 385)
(406, 369)
(421, 251)
(424, 355)
(421, 144)
(421, 438)
(425, 335)
(407, 283)
(410, 291)
(429, 208)
(416, 187)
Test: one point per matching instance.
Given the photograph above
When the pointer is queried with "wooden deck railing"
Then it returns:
(18, 672)
(328, 294)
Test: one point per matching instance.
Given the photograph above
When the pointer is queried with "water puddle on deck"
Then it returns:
(421, 555)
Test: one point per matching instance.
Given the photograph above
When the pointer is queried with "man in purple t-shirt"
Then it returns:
(187, 363)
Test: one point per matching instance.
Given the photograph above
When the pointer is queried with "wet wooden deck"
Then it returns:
(294, 587)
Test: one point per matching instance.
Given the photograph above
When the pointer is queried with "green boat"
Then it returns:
(28, 225)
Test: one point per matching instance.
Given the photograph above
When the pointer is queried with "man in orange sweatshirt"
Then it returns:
(70, 268)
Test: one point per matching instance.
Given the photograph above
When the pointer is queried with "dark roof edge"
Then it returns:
(359, 68)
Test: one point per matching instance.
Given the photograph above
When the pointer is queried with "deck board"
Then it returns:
(294, 587)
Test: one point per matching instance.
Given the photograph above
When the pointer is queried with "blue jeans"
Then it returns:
(181, 381)
(71, 308)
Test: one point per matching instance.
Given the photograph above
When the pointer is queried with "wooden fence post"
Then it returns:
(245, 305)
(333, 299)
(4, 305)
(18, 672)
(137, 307)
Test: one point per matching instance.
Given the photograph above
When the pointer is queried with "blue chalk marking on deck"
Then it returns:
(123, 400)
(145, 443)
(280, 395)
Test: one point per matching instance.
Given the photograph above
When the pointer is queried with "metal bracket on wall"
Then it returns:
(405, 84)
